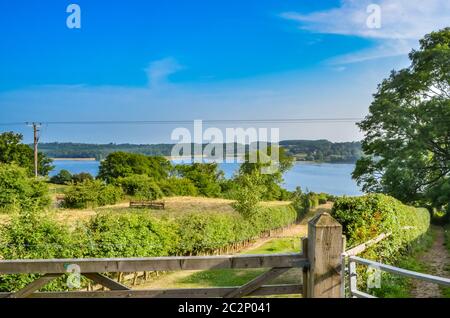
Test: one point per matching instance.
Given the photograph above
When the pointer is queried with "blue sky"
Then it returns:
(182, 60)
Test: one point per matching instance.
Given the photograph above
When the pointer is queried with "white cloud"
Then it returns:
(159, 71)
(403, 22)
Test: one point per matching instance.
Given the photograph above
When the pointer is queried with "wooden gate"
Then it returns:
(320, 259)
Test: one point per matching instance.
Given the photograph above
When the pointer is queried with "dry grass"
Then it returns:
(174, 207)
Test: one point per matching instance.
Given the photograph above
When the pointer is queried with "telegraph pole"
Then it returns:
(36, 127)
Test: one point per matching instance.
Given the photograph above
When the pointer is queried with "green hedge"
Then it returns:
(129, 235)
(366, 217)
(194, 233)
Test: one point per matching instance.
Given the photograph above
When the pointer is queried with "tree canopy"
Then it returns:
(12, 150)
(271, 181)
(407, 132)
(205, 177)
(123, 164)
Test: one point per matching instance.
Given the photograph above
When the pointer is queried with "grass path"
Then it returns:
(436, 260)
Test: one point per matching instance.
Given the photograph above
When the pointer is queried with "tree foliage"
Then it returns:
(269, 172)
(12, 150)
(407, 133)
(123, 164)
(140, 186)
(248, 194)
(91, 194)
(205, 177)
(62, 177)
(18, 191)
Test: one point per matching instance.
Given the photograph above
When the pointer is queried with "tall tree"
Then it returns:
(12, 150)
(205, 176)
(407, 132)
(273, 176)
(123, 164)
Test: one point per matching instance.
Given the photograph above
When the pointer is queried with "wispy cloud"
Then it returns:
(403, 22)
(159, 71)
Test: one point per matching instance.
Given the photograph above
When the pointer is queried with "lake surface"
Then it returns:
(318, 177)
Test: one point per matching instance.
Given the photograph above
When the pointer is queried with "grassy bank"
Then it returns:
(394, 286)
(446, 290)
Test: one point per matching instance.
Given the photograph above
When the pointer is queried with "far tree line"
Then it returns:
(301, 150)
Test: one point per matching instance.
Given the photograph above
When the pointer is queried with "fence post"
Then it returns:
(324, 255)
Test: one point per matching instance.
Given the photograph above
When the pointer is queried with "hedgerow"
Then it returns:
(127, 235)
(366, 217)
(130, 235)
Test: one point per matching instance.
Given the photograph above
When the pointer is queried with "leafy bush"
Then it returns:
(63, 177)
(322, 198)
(366, 217)
(91, 194)
(81, 177)
(140, 186)
(178, 187)
(303, 202)
(18, 191)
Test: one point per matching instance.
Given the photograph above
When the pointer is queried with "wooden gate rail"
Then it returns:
(91, 268)
(114, 265)
(354, 292)
(265, 290)
(319, 259)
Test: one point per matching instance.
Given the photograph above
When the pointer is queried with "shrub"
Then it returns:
(18, 191)
(81, 177)
(29, 235)
(323, 198)
(178, 187)
(141, 186)
(63, 177)
(91, 194)
(303, 202)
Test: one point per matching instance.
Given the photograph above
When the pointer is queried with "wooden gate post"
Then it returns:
(324, 255)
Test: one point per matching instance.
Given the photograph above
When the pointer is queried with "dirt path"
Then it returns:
(436, 259)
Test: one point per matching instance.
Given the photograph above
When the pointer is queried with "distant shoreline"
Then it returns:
(74, 159)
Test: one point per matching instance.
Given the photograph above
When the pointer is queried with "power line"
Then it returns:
(207, 121)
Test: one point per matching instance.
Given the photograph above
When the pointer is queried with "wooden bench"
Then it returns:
(147, 204)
